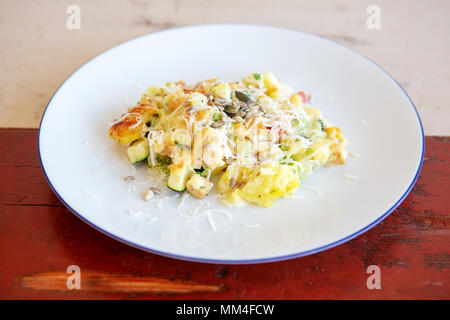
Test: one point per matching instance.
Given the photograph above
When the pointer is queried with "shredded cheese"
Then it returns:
(312, 188)
(90, 195)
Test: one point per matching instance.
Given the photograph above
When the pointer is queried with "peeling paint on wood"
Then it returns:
(39, 238)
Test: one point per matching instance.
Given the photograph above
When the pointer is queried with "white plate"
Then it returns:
(85, 168)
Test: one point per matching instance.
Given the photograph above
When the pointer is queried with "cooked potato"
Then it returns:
(146, 111)
(296, 100)
(197, 100)
(234, 178)
(338, 147)
(271, 83)
(221, 90)
(198, 186)
(175, 99)
(338, 155)
(254, 79)
(314, 113)
(261, 185)
(127, 130)
(272, 182)
(204, 114)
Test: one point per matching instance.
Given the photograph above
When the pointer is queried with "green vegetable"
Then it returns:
(295, 122)
(202, 172)
(165, 170)
(199, 171)
(139, 150)
(178, 177)
(257, 76)
(322, 127)
(297, 125)
(217, 117)
(152, 121)
(231, 108)
(243, 97)
(284, 147)
(161, 162)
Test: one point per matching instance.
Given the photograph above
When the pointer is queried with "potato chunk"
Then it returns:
(146, 111)
(260, 185)
(338, 155)
(338, 148)
(272, 182)
(198, 186)
(128, 129)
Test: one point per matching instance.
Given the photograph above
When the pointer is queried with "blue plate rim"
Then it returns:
(244, 261)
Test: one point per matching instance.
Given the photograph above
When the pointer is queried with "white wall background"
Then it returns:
(38, 52)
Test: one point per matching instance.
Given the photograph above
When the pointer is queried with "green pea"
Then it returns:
(217, 117)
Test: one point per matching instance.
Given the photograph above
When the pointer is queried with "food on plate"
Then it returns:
(257, 132)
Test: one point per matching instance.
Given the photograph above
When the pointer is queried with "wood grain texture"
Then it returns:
(126, 283)
(40, 237)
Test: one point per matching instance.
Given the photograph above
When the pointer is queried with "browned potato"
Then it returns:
(127, 130)
(146, 111)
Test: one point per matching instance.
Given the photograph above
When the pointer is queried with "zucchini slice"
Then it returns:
(139, 150)
(179, 174)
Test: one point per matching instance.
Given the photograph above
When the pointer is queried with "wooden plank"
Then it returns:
(39, 238)
(117, 283)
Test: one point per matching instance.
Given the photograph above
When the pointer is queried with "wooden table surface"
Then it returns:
(40, 238)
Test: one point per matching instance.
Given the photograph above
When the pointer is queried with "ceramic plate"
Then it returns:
(86, 168)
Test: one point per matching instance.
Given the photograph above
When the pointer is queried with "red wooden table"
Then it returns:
(40, 238)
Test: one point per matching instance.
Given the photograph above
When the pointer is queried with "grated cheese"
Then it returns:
(351, 176)
(312, 188)
(93, 147)
(256, 225)
(135, 213)
(99, 172)
(183, 198)
(92, 196)
(211, 222)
